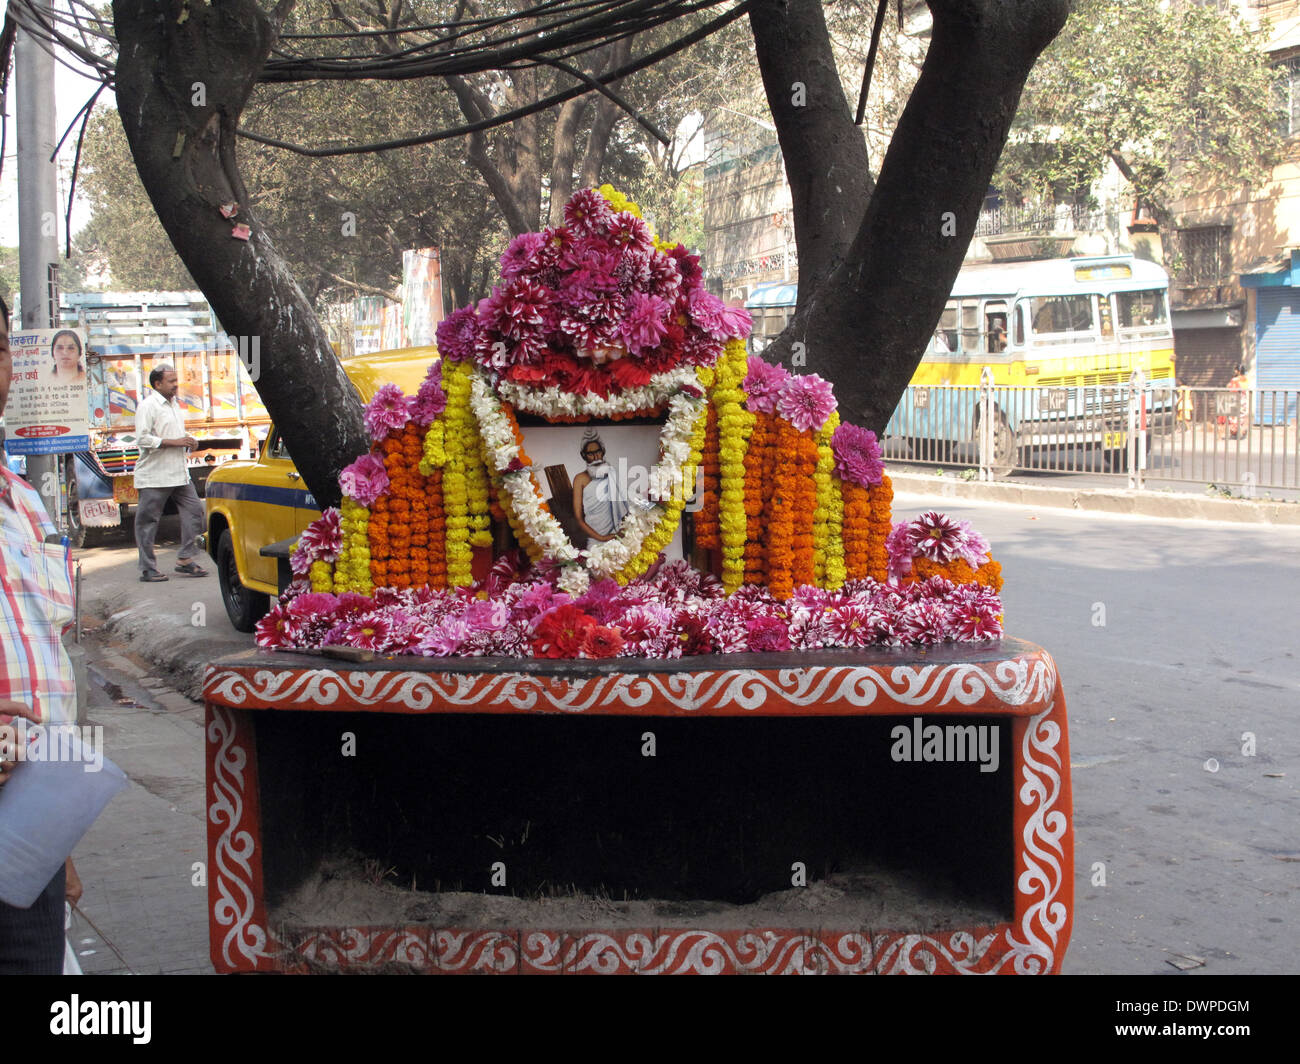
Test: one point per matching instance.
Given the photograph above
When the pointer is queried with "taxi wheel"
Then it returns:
(244, 607)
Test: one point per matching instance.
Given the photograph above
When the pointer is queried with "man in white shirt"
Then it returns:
(161, 474)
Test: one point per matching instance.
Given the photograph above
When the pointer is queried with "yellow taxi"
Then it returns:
(251, 505)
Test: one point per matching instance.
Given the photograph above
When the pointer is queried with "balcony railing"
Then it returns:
(1038, 218)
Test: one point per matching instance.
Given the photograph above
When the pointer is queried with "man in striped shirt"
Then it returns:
(36, 680)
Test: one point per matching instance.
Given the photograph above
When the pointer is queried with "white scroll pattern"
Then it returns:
(1012, 683)
(235, 905)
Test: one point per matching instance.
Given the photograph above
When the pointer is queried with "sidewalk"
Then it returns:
(137, 862)
(1148, 503)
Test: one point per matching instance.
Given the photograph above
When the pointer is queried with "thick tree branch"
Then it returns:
(865, 325)
(825, 153)
(184, 146)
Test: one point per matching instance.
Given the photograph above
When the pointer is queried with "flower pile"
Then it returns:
(794, 529)
(677, 612)
(593, 317)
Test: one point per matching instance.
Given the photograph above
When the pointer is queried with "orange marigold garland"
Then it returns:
(707, 528)
(786, 498)
(803, 557)
(857, 530)
(878, 529)
(758, 490)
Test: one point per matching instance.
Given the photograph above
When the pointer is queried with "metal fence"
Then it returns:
(1241, 440)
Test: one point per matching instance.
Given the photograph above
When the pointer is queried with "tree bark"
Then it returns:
(873, 284)
(184, 149)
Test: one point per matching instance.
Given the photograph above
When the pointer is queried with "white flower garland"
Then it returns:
(556, 402)
(610, 557)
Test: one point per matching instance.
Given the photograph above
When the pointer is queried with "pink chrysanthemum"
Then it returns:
(763, 385)
(588, 212)
(737, 322)
(935, 536)
(974, 548)
(517, 309)
(457, 333)
(851, 625)
(646, 322)
(430, 401)
(924, 622)
(767, 634)
(369, 631)
(523, 255)
(974, 622)
(387, 412)
(857, 455)
(277, 629)
(364, 480)
(628, 231)
(806, 401)
(898, 544)
(708, 313)
(321, 541)
(446, 639)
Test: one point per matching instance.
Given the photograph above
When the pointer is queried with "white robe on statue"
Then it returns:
(603, 504)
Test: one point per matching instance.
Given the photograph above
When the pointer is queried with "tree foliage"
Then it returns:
(1178, 97)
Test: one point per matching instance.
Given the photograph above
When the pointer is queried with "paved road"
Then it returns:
(1197, 648)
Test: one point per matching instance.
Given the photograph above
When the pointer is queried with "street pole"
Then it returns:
(38, 212)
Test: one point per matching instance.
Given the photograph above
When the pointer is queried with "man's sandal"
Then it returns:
(191, 569)
(152, 576)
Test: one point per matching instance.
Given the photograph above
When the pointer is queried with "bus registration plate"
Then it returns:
(1114, 440)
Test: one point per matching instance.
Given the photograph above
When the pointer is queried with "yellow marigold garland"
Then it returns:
(735, 424)
(352, 570)
(460, 434)
(828, 532)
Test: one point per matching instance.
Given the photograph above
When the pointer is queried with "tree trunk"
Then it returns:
(182, 83)
(868, 307)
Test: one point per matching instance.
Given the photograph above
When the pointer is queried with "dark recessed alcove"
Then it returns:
(570, 803)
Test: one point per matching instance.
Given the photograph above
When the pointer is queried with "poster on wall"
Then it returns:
(46, 413)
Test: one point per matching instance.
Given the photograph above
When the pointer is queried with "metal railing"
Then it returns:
(1244, 441)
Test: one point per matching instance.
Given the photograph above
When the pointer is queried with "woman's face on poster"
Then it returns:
(67, 355)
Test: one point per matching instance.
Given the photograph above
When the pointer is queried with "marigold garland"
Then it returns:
(707, 528)
(759, 485)
(735, 425)
(857, 530)
(830, 512)
(352, 570)
(879, 524)
(460, 445)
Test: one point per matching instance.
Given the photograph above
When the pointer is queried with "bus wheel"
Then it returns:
(1004, 448)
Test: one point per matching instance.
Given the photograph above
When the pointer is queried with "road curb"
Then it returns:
(1135, 503)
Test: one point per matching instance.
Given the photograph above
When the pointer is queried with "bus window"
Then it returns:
(1134, 310)
(944, 341)
(1018, 326)
(1066, 319)
(972, 334)
(995, 327)
(1103, 313)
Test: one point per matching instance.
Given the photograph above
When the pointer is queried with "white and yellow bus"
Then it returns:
(1061, 338)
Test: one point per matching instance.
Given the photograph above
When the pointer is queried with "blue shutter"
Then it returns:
(1277, 350)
